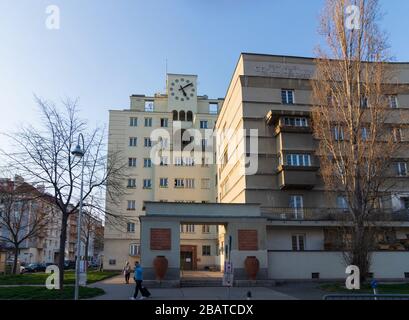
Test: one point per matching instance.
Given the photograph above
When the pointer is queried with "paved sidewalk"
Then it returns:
(116, 290)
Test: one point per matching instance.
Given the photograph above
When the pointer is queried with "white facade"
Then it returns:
(175, 177)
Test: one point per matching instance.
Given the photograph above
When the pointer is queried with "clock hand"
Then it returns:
(184, 93)
(189, 84)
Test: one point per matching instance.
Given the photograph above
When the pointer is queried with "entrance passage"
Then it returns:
(188, 257)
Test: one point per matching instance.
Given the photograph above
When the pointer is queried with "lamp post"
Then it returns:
(79, 152)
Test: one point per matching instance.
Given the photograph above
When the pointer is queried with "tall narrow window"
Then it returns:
(338, 133)
(401, 169)
(130, 227)
(189, 116)
(131, 205)
(182, 116)
(297, 204)
(147, 142)
(298, 242)
(164, 122)
(132, 162)
(133, 122)
(175, 115)
(131, 183)
(397, 134)
(393, 101)
(163, 182)
(287, 96)
(147, 183)
(147, 163)
(148, 122)
(133, 141)
(203, 124)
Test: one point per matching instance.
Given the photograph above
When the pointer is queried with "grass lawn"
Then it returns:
(389, 288)
(40, 277)
(42, 293)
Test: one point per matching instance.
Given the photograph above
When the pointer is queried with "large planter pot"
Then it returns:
(252, 266)
(160, 265)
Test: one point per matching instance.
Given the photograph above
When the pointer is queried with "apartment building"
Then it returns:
(272, 94)
(177, 175)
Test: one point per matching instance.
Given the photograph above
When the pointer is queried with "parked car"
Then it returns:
(35, 267)
(69, 264)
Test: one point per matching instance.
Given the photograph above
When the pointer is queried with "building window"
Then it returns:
(188, 162)
(397, 134)
(338, 133)
(164, 122)
(178, 161)
(364, 134)
(131, 183)
(179, 183)
(297, 204)
(189, 228)
(296, 122)
(205, 183)
(205, 250)
(393, 101)
(133, 122)
(147, 183)
(133, 141)
(131, 205)
(163, 182)
(130, 227)
(405, 203)
(189, 116)
(287, 96)
(182, 115)
(364, 102)
(175, 115)
(132, 162)
(401, 169)
(213, 108)
(148, 122)
(134, 250)
(147, 163)
(203, 124)
(164, 161)
(342, 203)
(190, 183)
(205, 228)
(147, 142)
(298, 160)
(149, 106)
(298, 242)
(112, 262)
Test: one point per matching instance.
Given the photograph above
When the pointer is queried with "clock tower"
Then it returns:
(182, 92)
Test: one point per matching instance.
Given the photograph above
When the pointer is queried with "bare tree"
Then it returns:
(23, 215)
(353, 121)
(44, 156)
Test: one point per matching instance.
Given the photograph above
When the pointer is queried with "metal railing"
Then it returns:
(366, 297)
(329, 214)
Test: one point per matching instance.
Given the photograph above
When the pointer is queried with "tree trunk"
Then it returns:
(61, 256)
(15, 259)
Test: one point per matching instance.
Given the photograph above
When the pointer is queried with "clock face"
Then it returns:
(182, 89)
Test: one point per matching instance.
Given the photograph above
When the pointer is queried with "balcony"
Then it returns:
(329, 214)
(292, 177)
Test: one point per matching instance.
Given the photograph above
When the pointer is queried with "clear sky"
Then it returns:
(107, 50)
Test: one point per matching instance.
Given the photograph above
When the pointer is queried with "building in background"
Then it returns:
(176, 177)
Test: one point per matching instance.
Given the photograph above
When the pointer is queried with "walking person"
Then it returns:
(127, 272)
(138, 277)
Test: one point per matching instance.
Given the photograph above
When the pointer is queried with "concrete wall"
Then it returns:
(330, 265)
(172, 255)
(280, 238)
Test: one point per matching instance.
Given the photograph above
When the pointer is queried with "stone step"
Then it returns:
(201, 283)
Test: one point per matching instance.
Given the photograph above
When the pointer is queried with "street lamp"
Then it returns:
(79, 152)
